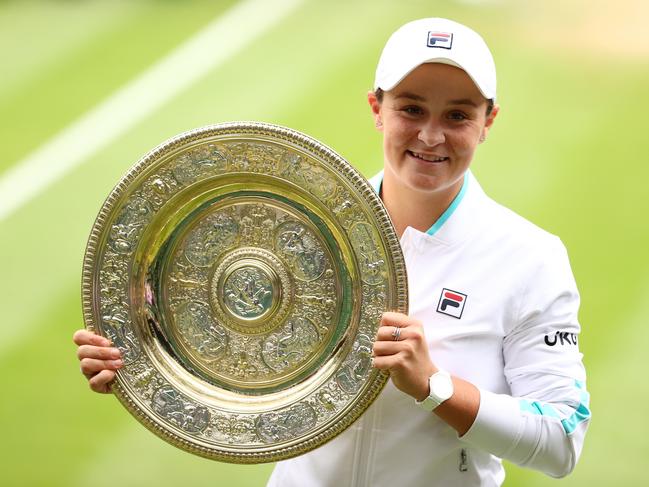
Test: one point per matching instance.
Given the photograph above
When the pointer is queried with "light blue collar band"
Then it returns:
(451, 208)
(377, 182)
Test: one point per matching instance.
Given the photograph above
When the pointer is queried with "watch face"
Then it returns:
(441, 386)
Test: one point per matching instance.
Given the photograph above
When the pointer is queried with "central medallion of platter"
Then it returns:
(251, 290)
(252, 294)
(248, 291)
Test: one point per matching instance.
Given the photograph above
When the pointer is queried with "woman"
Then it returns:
(486, 365)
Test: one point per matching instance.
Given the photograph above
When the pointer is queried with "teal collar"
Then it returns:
(377, 182)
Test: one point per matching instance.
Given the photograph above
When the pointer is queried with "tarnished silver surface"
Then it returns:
(242, 270)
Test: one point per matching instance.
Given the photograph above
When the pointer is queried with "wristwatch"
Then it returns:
(441, 389)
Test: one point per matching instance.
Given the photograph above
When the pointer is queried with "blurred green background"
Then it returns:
(569, 151)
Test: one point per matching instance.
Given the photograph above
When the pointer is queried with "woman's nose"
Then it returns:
(432, 134)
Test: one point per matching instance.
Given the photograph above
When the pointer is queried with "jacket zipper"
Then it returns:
(463, 460)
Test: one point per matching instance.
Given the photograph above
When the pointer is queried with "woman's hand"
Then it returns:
(99, 360)
(404, 353)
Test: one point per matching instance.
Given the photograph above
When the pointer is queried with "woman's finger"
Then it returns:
(91, 366)
(85, 337)
(390, 348)
(101, 381)
(391, 318)
(387, 362)
(103, 353)
(390, 333)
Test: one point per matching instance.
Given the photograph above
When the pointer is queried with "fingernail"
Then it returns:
(115, 353)
(117, 363)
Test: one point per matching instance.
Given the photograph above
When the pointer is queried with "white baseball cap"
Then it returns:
(436, 40)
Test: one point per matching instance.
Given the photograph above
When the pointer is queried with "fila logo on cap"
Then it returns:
(440, 39)
(451, 303)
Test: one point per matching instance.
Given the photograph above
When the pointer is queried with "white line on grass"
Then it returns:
(238, 27)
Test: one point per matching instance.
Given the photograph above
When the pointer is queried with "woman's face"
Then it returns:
(432, 122)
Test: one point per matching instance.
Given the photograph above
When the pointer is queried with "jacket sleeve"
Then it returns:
(543, 422)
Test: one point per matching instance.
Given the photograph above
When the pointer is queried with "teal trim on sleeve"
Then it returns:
(581, 414)
(538, 408)
(451, 209)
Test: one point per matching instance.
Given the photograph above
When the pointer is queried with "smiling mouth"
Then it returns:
(424, 157)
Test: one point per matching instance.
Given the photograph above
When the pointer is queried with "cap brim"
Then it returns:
(390, 83)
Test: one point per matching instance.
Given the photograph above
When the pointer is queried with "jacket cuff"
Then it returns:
(498, 426)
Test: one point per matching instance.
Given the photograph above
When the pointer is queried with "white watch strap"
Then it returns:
(434, 399)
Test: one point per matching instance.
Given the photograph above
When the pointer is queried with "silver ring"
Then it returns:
(396, 333)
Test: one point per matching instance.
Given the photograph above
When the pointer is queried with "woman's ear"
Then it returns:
(489, 122)
(375, 105)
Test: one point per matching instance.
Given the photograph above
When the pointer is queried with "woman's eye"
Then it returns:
(457, 116)
(413, 110)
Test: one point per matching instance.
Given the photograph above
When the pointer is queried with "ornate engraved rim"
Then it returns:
(314, 149)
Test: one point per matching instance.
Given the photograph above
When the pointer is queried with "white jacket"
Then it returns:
(510, 328)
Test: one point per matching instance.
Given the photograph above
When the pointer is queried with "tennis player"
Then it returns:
(486, 366)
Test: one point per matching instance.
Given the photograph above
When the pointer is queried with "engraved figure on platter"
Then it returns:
(372, 263)
(320, 309)
(197, 248)
(122, 237)
(292, 166)
(182, 276)
(124, 233)
(112, 280)
(257, 222)
(210, 238)
(217, 156)
(224, 230)
(233, 429)
(350, 375)
(248, 292)
(199, 332)
(290, 346)
(327, 400)
(116, 317)
(188, 416)
(267, 228)
(247, 227)
(262, 157)
(242, 366)
(239, 159)
(157, 191)
(343, 206)
(322, 301)
(301, 250)
(319, 182)
(371, 260)
(138, 210)
(199, 162)
(278, 426)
